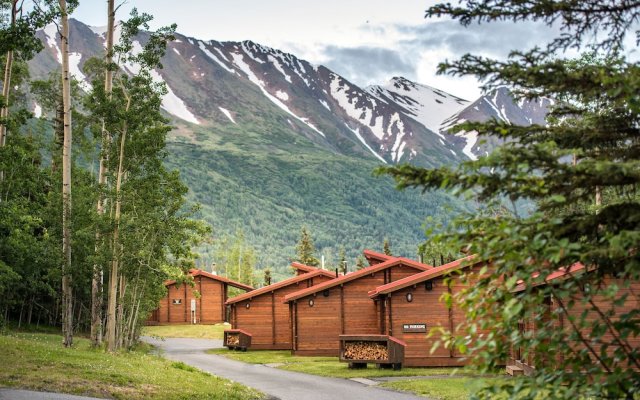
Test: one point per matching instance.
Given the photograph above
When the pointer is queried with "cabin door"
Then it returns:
(519, 349)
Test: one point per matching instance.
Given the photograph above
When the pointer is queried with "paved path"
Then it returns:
(280, 384)
(15, 394)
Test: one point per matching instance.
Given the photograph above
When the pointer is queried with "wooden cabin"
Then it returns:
(202, 303)
(300, 268)
(373, 257)
(521, 361)
(321, 313)
(410, 308)
(263, 314)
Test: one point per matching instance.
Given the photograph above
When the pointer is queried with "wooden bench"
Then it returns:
(237, 339)
(360, 350)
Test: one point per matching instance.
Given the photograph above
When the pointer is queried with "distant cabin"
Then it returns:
(263, 314)
(522, 360)
(202, 303)
(321, 313)
(410, 308)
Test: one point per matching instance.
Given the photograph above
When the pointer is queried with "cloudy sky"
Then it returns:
(367, 41)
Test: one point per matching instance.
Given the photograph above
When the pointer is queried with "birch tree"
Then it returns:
(96, 281)
(67, 292)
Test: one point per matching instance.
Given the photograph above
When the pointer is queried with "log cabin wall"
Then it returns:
(175, 307)
(267, 317)
(321, 317)
(414, 302)
(632, 302)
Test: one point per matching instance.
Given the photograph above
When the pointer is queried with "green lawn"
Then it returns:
(442, 389)
(187, 331)
(329, 366)
(39, 362)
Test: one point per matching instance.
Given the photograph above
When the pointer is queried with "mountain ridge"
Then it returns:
(269, 142)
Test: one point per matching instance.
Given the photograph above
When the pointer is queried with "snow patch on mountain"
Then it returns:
(282, 95)
(51, 33)
(238, 60)
(359, 136)
(227, 114)
(74, 69)
(427, 105)
(173, 104)
(325, 104)
(176, 51)
(37, 110)
(364, 115)
(276, 63)
(471, 138)
(214, 58)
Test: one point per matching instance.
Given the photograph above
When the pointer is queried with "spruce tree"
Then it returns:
(386, 247)
(360, 263)
(342, 263)
(581, 171)
(267, 277)
(305, 250)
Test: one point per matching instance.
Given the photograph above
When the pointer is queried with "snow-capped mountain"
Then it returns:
(212, 85)
(269, 142)
(498, 105)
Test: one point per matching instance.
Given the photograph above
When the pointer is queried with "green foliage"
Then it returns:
(342, 261)
(386, 247)
(38, 362)
(581, 170)
(236, 259)
(305, 250)
(360, 263)
(272, 193)
(267, 277)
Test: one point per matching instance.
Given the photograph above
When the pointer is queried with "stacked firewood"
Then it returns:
(365, 351)
(233, 339)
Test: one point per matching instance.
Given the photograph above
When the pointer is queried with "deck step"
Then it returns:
(514, 370)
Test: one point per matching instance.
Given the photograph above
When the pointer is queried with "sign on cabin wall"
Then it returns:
(177, 301)
(414, 328)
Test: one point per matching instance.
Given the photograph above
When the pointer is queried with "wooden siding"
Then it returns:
(210, 307)
(425, 308)
(346, 310)
(632, 302)
(267, 319)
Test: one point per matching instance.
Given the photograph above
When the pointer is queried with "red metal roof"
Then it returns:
(303, 267)
(393, 261)
(560, 273)
(281, 284)
(423, 276)
(198, 272)
(374, 255)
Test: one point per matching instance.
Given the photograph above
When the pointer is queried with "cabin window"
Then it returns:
(325, 293)
(177, 301)
(311, 302)
(409, 297)
(428, 285)
(247, 306)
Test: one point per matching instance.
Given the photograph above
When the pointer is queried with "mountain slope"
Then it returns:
(267, 142)
(498, 105)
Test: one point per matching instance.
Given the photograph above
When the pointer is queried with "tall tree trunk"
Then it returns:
(67, 294)
(112, 343)
(96, 281)
(6, 85)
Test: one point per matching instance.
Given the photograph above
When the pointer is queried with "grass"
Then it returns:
(186, 331)
(442, 389)
(38, 361)
(329, 366)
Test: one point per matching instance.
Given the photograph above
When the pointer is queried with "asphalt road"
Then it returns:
(277, 383)
(14, 394)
